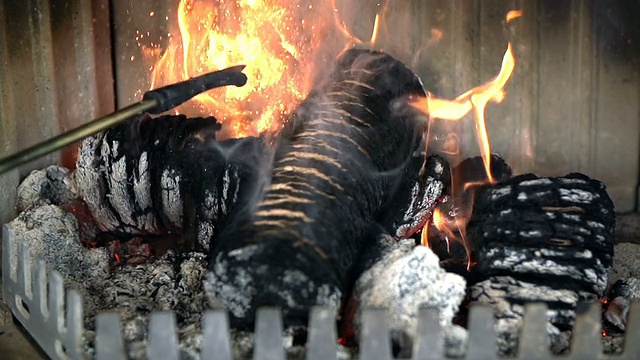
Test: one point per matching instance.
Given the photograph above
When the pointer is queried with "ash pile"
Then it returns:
(162, 215)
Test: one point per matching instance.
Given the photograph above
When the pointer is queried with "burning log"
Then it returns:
(336, 165)
(154, 176)
(541, 239)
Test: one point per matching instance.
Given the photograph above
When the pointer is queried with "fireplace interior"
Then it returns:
(571, 105)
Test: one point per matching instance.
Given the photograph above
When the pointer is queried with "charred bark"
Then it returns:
(163, 175)
(336, 165)
(541, 240)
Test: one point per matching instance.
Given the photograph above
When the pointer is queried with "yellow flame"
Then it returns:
(267, 36)
(353, 39)
(475, 100)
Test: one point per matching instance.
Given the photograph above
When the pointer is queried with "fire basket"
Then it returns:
(53, 316)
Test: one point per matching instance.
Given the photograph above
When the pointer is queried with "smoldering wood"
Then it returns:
(165, 174)
(335, 165)
(457, 201)
(541, 239)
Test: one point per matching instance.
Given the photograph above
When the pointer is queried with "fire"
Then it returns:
(352, 39)
(277, 47)
(474, 100)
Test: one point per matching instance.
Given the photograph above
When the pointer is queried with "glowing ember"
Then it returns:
(474, 100)
(277, 47)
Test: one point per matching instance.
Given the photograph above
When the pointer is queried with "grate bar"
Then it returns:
(268, 335)
(534, 330)
(323, 339)
(374, 341)
(482, 345)
(109, 344)
(631, 343)
(429, 343)
(163, 340)
(217, 343)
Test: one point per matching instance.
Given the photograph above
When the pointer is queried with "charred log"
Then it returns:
(457, 203)
(541, 239)
(336, 165)
(163, 175)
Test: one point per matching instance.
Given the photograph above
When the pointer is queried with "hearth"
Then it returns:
(147, 206)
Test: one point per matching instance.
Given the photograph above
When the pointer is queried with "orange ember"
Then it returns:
(267, 36)
(474, 100)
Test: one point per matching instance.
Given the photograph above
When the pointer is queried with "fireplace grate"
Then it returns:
(37, 300)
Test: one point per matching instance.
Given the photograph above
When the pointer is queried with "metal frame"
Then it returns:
(36, 298)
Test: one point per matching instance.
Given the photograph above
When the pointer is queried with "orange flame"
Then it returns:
(277, 47)
(475, 100)
(353, 40)
(513, 14)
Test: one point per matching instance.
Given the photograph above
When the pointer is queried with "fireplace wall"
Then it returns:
(573, 103)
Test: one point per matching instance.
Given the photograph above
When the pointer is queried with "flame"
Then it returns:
(475, 100)
(353, 40)
(513, 14)
(277, 47)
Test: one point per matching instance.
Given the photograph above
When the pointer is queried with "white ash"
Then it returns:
(89, 179)
(626, 262)
(172, 282)
(52, 185)
(541, 181)
(500, 192)
(404, 280)
(52, 235)
(236, 286)
(119, 195)
(171, 198)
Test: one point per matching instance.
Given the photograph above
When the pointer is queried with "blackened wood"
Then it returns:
(336, 163)
(165, 174)
(422, 184)
(558, 229)
(218, 176)
(540, 240)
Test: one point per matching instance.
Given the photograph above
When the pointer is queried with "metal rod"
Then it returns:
(74, 135)
(155, 102)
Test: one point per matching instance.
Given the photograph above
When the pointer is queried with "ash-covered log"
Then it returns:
(541, 239)
(166, 174)
(337, 163)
